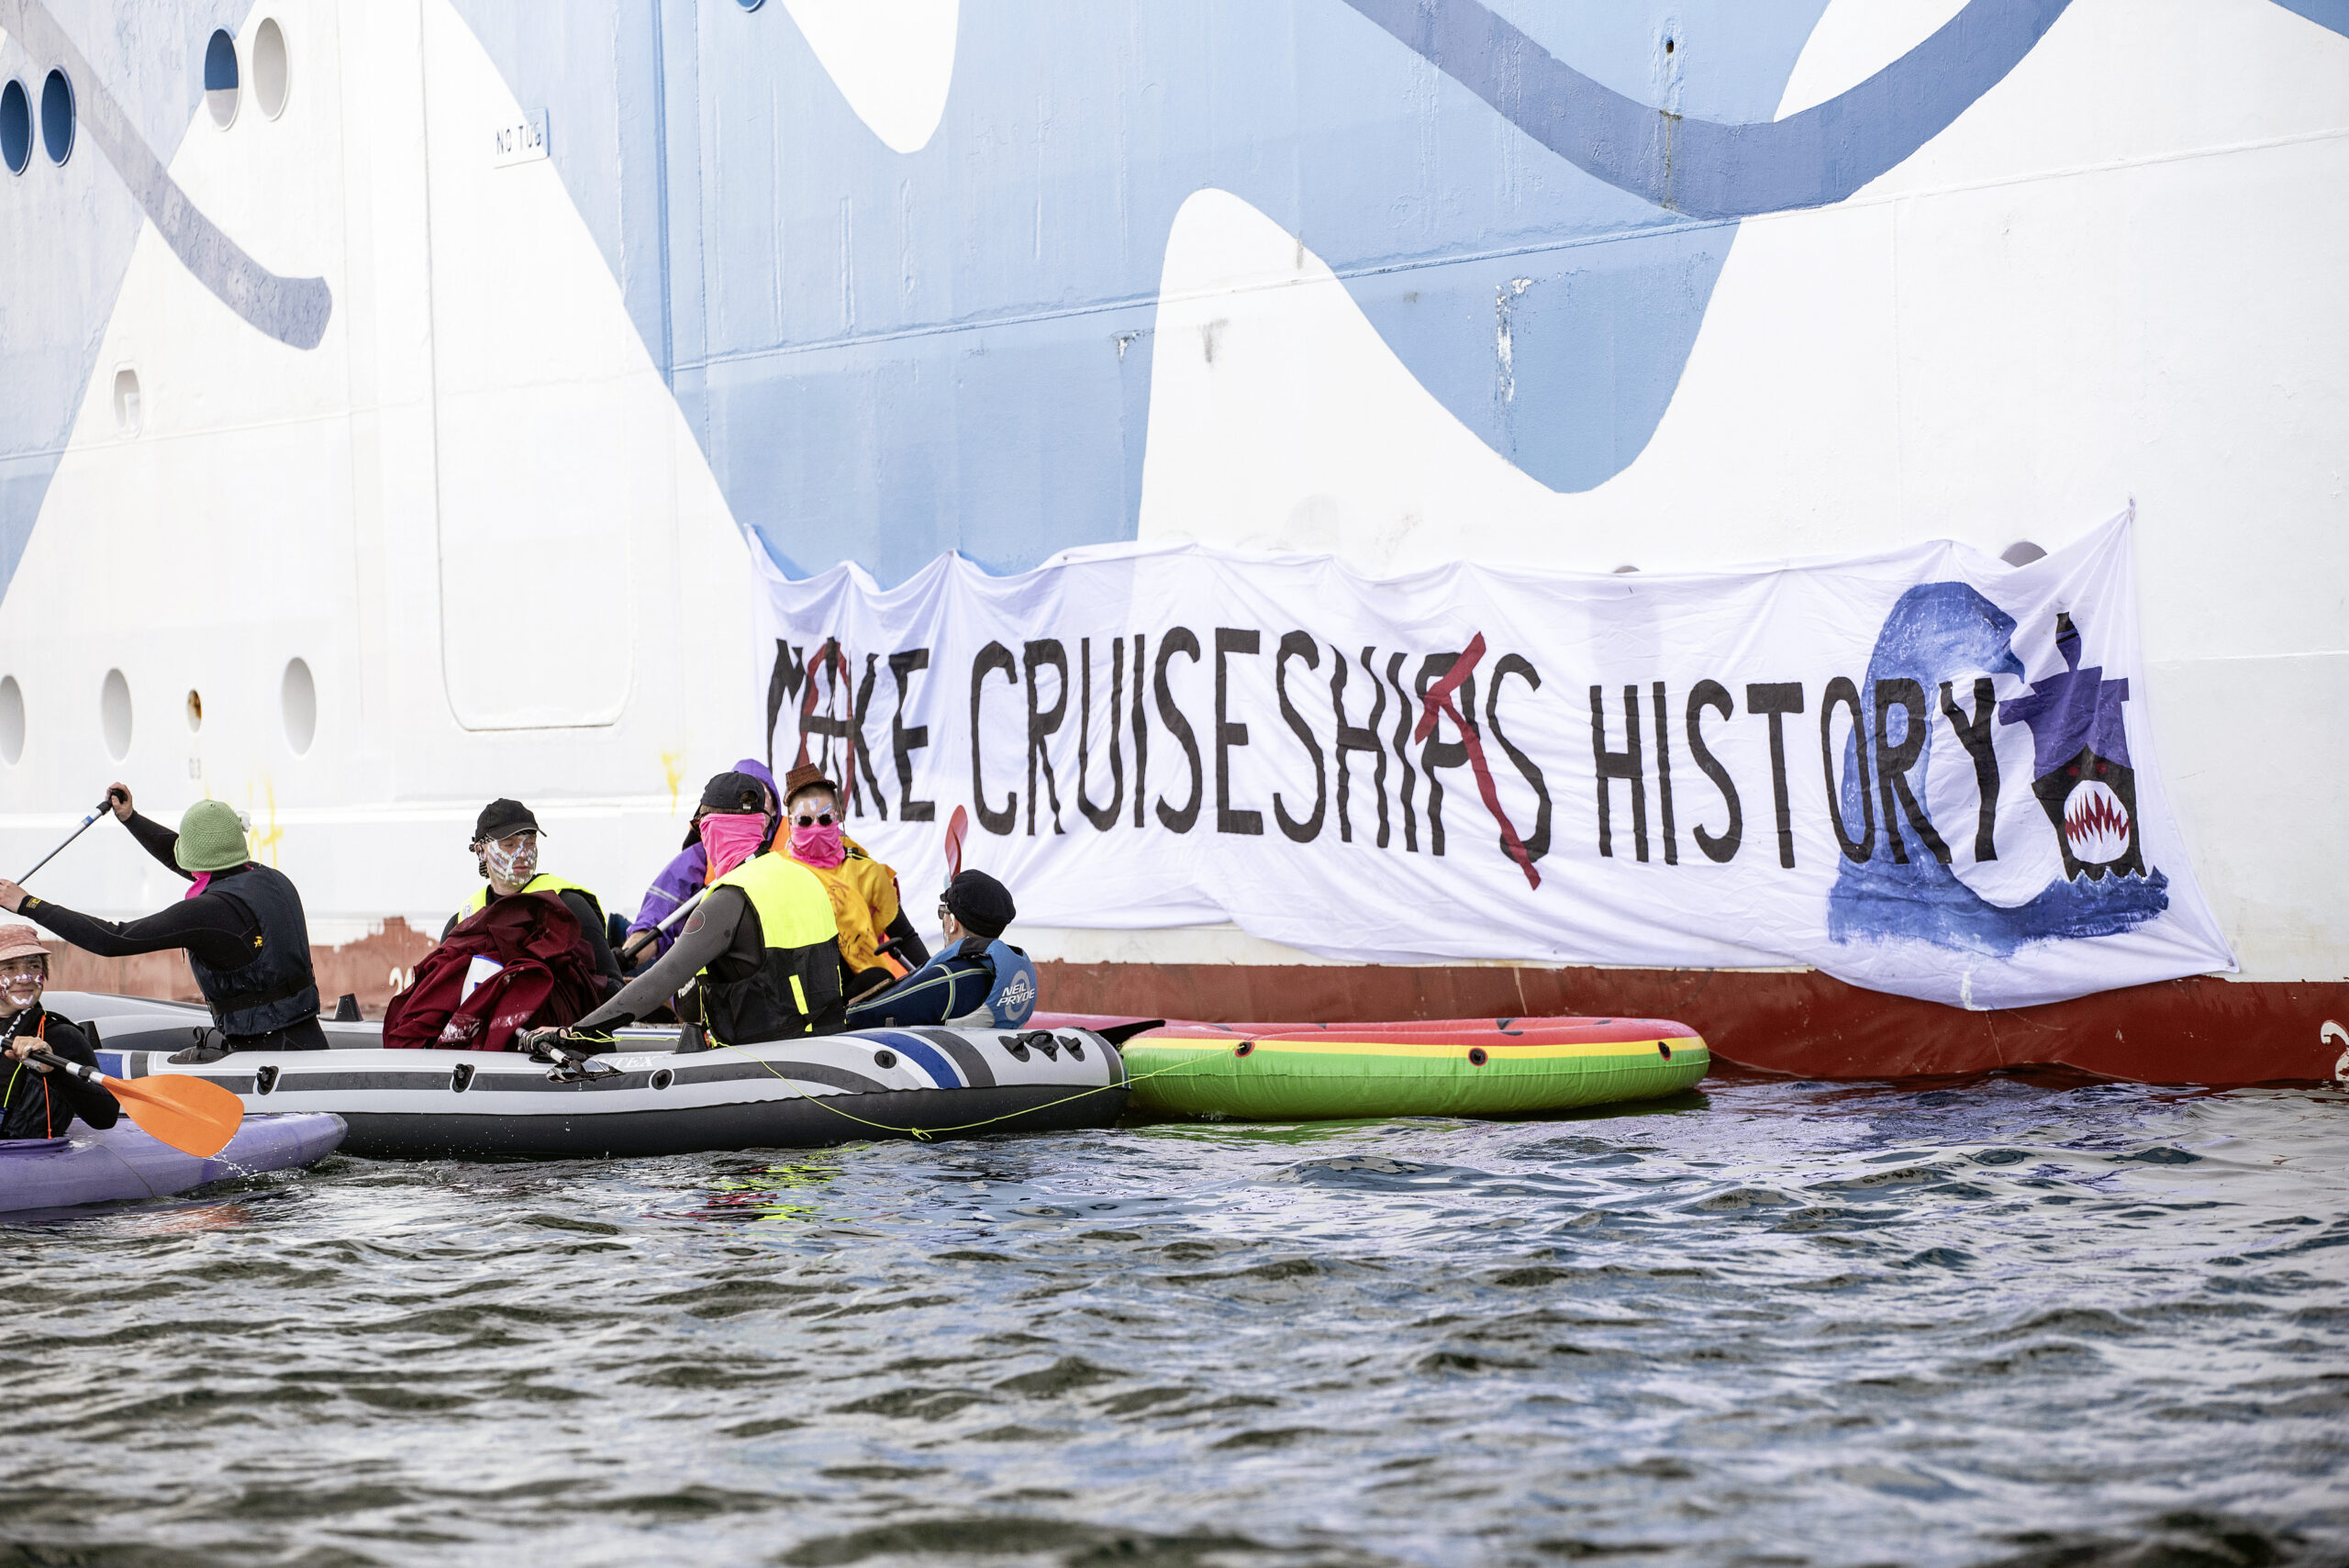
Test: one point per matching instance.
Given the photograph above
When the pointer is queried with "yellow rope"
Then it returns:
(923, 1135)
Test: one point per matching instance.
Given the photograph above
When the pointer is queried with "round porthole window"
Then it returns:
(16, 126)
(114, 715)
(297, 698)
(272, 76)
(57, 118)
(220, 79)
(12, 721)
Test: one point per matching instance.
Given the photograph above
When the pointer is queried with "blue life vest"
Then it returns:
(1013, 999)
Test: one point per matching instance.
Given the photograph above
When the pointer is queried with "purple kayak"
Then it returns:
(90, 1166)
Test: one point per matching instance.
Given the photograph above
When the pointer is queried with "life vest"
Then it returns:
(276, 988)
(1012, 999)
(545, 882)
(40, 1081)
(864, 900)
(795, 988)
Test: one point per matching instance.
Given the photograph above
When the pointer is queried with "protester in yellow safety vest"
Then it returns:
(762, 942)
(506, 853)
(863, 891)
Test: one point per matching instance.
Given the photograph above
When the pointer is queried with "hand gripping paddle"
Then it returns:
(195, 1115)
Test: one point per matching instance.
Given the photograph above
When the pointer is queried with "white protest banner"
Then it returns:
(1924, 772)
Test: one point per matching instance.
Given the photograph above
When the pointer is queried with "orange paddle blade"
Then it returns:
(195, 1115)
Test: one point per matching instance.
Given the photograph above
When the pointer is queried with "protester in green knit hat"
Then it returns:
(212, 837)
(241, 926)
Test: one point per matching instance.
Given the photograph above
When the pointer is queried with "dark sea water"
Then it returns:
(2015, 1322)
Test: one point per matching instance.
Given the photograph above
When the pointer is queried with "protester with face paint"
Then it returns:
(761, 942)
(241, 925)
(863, 891)
(37, 1101)
(505, 854)
(681, 879)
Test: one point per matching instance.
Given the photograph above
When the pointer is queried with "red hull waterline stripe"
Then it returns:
(2199, 1030)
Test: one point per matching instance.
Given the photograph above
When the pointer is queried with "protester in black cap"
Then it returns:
(762, 941)
(505, 854)
(977, 977)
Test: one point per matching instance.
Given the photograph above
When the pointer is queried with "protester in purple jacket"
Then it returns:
(679, 880)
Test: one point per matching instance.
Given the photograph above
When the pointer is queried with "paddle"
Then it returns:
(956, 825)
(104, 806)
(195, 1115)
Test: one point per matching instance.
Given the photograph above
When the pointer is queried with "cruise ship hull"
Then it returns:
(411, 404)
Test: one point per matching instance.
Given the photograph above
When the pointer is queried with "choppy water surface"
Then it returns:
(2009, 1321)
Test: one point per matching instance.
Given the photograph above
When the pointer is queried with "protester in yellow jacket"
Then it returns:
(863, 891)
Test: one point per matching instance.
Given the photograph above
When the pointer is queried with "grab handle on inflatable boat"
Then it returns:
(195, 1115)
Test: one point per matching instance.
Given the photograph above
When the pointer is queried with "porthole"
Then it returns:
(12, 721)
(57, 118)
(750, 4)
(127, 412)
(271, 71)
(220, 78)
(297, 699)
(194, 711)
(114, 715)
(16, 126)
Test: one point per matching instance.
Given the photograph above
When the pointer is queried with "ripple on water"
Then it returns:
(2016, 1321)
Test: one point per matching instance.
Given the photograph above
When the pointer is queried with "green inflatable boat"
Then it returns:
(1442, 1067)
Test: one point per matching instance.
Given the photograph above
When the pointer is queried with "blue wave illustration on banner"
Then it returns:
(1932, 661)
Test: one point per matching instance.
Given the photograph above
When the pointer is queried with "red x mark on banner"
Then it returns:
(1438, 700)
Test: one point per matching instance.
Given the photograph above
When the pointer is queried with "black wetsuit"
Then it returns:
(952, 985)
(43, 1105)
(725, 937)
(214, 929)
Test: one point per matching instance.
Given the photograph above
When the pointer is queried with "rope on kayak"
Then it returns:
(924, 1134)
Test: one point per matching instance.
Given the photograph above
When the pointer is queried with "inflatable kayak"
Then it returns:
(1442, 1067)
(92, 1166)
(799, 1093)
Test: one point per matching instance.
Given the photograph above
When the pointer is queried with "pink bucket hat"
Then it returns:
(20, 941)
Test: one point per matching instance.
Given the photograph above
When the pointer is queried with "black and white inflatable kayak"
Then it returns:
(798, 1093)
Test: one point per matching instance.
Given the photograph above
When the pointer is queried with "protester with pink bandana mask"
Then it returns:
(762, 942)
(653, 930)
(863, 891)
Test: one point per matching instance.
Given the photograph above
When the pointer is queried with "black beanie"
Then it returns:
(981, 902)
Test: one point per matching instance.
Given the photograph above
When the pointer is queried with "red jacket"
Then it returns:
(548, 978)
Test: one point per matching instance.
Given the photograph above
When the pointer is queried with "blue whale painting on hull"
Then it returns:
(1941, 639)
